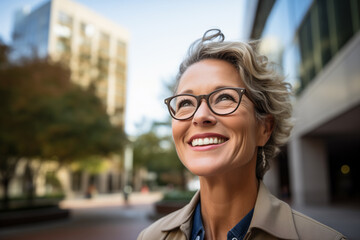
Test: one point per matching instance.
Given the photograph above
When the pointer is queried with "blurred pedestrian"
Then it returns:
(126, 193)
(90, 191)
(144, 189)
(231, 112)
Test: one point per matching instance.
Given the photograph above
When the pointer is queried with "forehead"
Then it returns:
(207, 75)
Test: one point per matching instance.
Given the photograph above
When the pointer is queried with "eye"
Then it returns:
(185, 103)
(225, 97)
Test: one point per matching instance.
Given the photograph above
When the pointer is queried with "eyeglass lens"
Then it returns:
(221, 102)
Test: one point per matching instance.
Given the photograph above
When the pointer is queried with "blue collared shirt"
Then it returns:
(236, 233)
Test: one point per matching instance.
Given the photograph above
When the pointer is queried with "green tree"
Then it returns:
(157, 153)
(44, 115)
(154, 149)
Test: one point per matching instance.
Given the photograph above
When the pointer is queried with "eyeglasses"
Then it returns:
(222, 101)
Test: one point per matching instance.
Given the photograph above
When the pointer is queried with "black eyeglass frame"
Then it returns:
(240, 91)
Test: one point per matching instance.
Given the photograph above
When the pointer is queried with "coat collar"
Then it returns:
(273, 215)
(270, 215)
(183, 217)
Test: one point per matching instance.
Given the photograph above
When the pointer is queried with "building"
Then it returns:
(92, 46)
(95, 50)
(317, 44)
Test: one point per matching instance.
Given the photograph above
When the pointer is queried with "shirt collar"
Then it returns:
(270, 214)
(238, 231)
(273, 215)
(241, 228)
(182, 218)
(198, 227)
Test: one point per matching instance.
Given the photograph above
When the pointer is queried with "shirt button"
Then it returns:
(234, 239)
(197, 238)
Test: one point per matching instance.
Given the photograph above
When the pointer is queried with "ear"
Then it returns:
(265, 129)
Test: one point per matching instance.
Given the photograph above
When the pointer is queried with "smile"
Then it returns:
(207, 141)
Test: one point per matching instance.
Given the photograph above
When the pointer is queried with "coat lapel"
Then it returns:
(273, 216)
(181, 220)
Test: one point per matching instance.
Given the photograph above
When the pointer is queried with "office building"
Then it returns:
(317, 45)
(92, 46)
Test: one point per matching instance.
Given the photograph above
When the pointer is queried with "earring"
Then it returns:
(263, 158)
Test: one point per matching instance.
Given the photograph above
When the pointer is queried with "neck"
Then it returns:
(225, 200)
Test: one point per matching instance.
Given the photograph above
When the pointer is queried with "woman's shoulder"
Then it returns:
(171, 225)
(154, 231)
(275, 217)
(309, 228)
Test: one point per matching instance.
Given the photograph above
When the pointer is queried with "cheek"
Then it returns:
(175, 130)
(178, 131)
(245, 133)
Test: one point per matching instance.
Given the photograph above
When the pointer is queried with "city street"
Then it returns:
(104, 217)
(107, 217)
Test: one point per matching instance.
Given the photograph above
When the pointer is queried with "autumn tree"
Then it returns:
(44, 115)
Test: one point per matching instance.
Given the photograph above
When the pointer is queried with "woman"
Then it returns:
(231, 112)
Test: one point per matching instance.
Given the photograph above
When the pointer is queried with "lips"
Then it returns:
(207, 139)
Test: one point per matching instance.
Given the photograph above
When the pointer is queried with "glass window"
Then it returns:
(356, 14)
(325, 43)
(121, 51)
(307, 71)
(64, 18)
(326, 28)
(104, 44)
(63, 30)
(343, 22)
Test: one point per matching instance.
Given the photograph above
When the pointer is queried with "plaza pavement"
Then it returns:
(107, 217)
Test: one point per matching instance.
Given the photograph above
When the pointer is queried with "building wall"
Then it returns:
(92, 46)
(334, 91)
(317, 45)
(30, 32)
(96, 50)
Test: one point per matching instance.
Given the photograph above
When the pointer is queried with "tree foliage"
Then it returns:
(44, 115)
(157, 153)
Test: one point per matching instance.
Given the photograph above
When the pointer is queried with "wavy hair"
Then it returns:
(264, 84)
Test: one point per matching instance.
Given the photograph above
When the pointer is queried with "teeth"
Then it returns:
(206, 141)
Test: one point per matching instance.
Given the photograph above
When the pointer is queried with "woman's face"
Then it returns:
(239, 133)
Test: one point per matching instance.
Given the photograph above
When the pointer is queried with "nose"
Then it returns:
(204, 116)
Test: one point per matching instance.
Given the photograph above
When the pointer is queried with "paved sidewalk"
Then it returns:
(105, 217)
(345, 219)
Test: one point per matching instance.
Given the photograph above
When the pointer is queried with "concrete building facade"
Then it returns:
(92, 46)
(317, 45)
(95, 50)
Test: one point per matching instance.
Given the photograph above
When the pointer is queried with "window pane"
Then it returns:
(324, 31)
(343, 21)
(307, 49)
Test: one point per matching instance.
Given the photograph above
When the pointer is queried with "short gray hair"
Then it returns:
(264, 84)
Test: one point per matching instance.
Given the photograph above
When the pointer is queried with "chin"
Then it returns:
(205, 167)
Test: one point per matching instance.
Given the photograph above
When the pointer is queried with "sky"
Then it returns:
(160, 34)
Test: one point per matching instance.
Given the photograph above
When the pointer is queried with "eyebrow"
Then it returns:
(190, 91)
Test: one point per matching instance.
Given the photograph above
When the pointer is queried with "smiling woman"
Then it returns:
(231, 112)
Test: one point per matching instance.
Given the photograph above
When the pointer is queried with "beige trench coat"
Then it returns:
(272, 219)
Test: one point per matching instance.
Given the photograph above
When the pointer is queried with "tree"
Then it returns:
(44, 115)
(157, 153)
